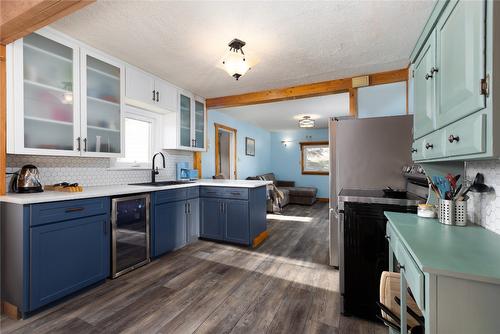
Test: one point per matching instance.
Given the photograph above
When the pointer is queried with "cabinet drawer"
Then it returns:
(212, 192)
(417, 149)
(433, 145)
(171, 195)
(193, 192)
(59, 211)
(414, 276)
(236, 193)
(466, 136)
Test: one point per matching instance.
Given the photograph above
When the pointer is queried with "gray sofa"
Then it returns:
(291, 193)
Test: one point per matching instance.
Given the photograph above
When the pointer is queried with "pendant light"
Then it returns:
(306, 122)
(234, 62)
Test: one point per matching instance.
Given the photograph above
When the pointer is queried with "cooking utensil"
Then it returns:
(477, 186)
(27, 180)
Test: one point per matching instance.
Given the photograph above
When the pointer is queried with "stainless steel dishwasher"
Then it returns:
(130, 233)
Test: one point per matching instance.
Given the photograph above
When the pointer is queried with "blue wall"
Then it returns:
(382, 100)
(245, 165)
(286, 160)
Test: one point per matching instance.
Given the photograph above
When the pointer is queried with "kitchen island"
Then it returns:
(56, 243)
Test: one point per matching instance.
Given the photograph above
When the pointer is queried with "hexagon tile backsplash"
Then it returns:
(93, 171)
(484, 209)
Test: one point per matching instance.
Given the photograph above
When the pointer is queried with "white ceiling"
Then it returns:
(284, 115)
(292, 42)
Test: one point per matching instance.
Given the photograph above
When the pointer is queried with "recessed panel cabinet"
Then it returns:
(424, 107)
(453, 66)
(460, 61)
(185, 128)
(63, 99)
(146, 91)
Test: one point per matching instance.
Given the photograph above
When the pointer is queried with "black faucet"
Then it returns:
(154, 170)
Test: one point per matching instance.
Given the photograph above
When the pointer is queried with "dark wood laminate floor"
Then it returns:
(284, 286)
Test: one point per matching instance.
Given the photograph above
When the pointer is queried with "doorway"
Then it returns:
(225, 151)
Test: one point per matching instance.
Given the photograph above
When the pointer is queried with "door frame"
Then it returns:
(234, 131)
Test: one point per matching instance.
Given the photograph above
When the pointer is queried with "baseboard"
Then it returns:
(323, 199)
(10, 310)
(259, 239)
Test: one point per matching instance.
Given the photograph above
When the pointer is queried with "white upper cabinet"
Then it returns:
(146, 91)
(140, 86)
(63, 99)
(102, 92)
(43, 96)
(166, 95)
(185, 128)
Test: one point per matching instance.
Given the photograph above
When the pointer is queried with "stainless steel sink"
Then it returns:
(161, 183)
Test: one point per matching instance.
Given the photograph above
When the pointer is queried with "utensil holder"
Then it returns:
(446, 212)
(460, 213)
(452, 212)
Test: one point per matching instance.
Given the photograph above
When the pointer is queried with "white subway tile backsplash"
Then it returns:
(484, 209)
(93, 171)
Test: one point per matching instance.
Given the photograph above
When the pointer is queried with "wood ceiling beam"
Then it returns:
(19, 18)
(303, 91)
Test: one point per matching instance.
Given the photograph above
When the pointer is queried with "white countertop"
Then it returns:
(113, 190)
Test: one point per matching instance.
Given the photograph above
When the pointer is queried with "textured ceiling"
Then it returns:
(290, 42)
(279, 116)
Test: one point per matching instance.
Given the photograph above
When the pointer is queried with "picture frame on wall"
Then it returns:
(250, 146)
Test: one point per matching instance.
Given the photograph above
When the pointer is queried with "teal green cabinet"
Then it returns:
(466, 136)
(460, 34)
(424, 88)
(453, 67)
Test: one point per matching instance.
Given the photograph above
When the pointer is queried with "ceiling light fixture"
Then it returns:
(234, 62)
(306, 122)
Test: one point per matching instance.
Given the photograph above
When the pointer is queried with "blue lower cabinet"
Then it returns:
(212, 218)
(236, 225)
(193, 220)
(170, 226)
(68, 256)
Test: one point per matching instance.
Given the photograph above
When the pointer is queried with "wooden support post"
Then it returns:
(3, 112)
(353, 102)
(197, 163)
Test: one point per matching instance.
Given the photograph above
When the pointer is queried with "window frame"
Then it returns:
(304, 145)
(155, 139)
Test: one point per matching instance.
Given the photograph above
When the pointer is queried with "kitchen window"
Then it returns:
(315, 158)
(141, 138)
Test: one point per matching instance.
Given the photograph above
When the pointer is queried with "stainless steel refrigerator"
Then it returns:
(366, 154)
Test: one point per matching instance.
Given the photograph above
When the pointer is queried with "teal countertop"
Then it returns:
(470, 252)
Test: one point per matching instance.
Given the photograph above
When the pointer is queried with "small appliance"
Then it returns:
(186, 173)
(27, 180)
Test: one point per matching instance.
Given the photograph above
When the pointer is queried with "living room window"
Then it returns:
(315, 158)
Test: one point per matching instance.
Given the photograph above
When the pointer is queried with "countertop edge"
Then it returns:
(107, 191)
(437, 271)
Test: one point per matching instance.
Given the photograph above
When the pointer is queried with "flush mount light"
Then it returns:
(234, 62)
(306, 122)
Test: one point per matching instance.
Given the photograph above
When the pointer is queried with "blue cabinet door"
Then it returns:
(236, 227)
(68, 256)
(193, 220)
(212, 219)
(170, 226)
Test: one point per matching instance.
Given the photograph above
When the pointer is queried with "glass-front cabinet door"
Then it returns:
(48, 97)
(199, 124)
(102, 86)
(185, 121)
